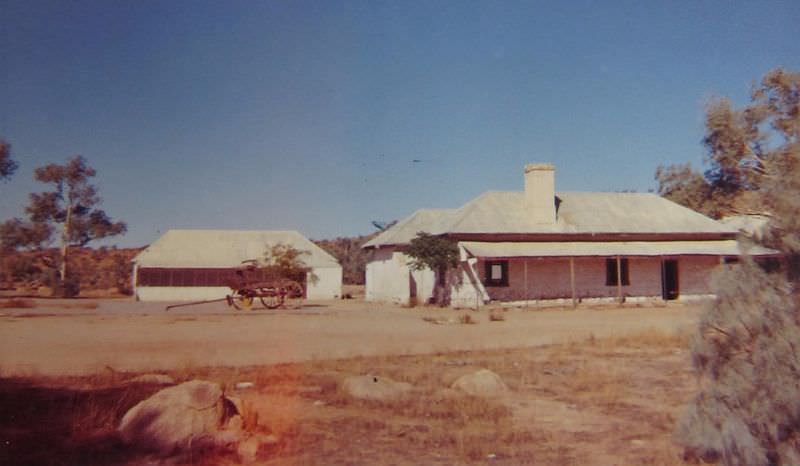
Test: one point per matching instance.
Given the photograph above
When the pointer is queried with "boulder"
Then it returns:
(482, 383)
(373, 387)
(193, 413)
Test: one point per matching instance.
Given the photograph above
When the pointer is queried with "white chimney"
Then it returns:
(540, 192)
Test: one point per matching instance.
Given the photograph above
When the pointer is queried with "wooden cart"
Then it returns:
(249, 282)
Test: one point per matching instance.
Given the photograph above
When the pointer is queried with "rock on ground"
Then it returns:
(373, 387)
(483, 383)
(190, 413)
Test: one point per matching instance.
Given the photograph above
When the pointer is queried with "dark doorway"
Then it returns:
(669, 279)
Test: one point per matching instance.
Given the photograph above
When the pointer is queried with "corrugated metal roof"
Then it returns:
(225, 248)
(589, 213)
(751, 225)
(609, 248)
(433, 221)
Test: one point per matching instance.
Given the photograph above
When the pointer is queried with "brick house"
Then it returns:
(540, 245)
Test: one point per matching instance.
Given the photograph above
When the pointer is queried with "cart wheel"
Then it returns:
(269, 298)
(246, 302)
(241, 300)
(293, 295)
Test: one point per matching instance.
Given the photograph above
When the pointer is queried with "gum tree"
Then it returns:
(70, 208)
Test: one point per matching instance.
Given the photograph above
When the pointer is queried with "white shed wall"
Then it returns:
(181, 293)
(388, 277)
(327, 285)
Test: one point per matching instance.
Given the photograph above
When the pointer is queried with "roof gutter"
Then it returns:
(589, 237)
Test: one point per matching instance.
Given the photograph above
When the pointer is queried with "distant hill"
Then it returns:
(347, 250)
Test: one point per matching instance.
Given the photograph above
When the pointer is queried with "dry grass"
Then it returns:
(602, 401)
(649, 338)
(17, 303)
(80, 305)
(467, 319)
(26, 303)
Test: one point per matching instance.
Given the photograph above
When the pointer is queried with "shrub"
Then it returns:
(747, 348)
(748, 412)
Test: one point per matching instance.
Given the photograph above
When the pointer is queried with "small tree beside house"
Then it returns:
(438, 254)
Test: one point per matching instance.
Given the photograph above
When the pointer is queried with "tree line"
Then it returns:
(348, 251)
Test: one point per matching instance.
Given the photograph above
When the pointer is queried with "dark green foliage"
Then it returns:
(747, 349)
(7, 165)
(435, 253)
(432, 252)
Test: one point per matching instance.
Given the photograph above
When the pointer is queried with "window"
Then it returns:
(611, 272)
(496, 273)
(161, 276)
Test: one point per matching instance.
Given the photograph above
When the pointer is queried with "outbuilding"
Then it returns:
(193, 265)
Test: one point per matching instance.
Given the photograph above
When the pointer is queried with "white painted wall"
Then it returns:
(326, 283)
(424, 281)
(540, 192)
(388, 277)
(467, 293)
(181, 293)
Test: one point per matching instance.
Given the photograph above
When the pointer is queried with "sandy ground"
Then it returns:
(85, 336)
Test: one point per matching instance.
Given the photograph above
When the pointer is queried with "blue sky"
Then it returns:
(309, 115)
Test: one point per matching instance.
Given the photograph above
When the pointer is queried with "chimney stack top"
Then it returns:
(539, 167)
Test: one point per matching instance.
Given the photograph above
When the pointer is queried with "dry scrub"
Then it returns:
(601, 401)
(17, 303)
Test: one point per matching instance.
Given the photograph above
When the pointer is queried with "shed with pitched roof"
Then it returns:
(194, 265)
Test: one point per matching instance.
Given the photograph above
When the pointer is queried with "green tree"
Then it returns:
(284, 261)
(71, 207)
(741, 147)
(680, 183)
(747, 348)
(7, 165)
(435, 253)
